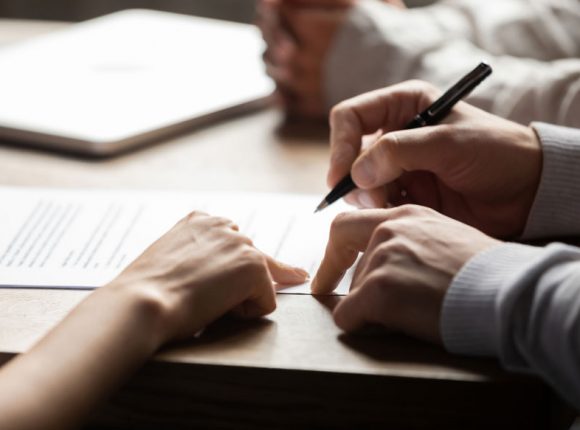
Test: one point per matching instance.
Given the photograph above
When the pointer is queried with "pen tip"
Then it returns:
(323, 204)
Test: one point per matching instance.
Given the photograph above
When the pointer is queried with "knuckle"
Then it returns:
(194, 216)
(338, 112)
(426, 88)
(217, 221)
(408, 210)
(250, 259)
(405, 211)
(412, 210)
(416, 83)
(339, 222)
(425, 92)
(383, 290)
(395, 249)
(381, 255)
(442, 132)
(388, 144)
(388, 254)
(242, 238)
(377, 289)
(384, 231)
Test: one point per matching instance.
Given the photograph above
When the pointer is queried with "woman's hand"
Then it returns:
(197, 272)
(202, 269)
(477, 168)
(411, 255)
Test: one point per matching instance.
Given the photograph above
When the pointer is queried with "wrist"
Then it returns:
(141, 307)
(532, 175)
(554, 212)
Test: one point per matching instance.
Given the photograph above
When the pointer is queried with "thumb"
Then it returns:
(353, 311)
(428, 149)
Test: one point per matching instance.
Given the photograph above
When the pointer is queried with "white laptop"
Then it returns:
(129, 78)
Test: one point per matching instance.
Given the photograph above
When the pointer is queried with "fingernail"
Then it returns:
(314, 285)
(364, 172)
(366, 201)
(302, 273)
(355, 198)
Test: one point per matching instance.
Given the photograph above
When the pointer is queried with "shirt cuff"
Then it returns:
(556, 208)
(469, 317)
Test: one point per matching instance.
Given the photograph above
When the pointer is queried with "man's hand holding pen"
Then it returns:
(437, 183)
(475, 167)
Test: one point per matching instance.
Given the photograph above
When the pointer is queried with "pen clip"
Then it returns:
(460, 90)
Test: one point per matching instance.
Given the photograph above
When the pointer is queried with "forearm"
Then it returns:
(90, 353)
(522, 305)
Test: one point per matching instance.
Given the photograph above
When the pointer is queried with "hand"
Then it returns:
(298, 35)
(477, 168)
(411, 255)
(202, 269)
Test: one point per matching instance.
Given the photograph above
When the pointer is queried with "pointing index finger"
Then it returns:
(350, 234)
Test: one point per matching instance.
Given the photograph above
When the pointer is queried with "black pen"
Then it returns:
(430, 116)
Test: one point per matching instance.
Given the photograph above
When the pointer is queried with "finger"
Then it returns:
(367, 199)
(281, 75)
(352, 313)
(430, 149)
(284, 274)
(262, 300)
(372, 199)
(388, 109)
(303, 85)
(309, 25)
(350, 233)
(268, 20)
(281, 49)
(352, 198)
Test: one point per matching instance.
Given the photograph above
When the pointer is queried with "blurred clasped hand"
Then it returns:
(299, 34)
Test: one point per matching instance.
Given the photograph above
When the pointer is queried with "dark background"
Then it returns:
(76, 10)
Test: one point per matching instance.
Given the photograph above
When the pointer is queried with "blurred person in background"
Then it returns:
(321, 52)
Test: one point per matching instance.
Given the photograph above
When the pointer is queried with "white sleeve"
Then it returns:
(520, 304)
(556, 208)
(381, 45)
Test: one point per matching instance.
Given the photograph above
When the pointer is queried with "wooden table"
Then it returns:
(294, 369)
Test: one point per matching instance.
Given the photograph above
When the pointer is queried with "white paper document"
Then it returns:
(82, 239)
